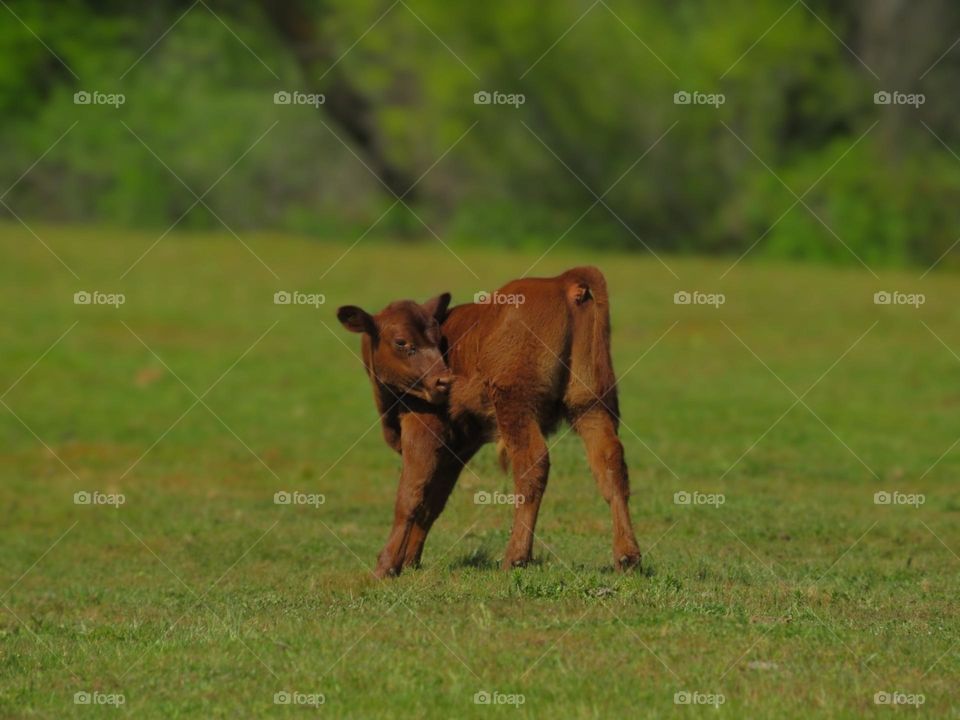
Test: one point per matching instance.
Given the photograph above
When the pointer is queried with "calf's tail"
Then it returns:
(594, 381)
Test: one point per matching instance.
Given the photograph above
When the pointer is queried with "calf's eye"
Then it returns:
(400, 343)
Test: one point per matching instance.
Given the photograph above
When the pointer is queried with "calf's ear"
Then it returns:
(356, 320)
(437, 307)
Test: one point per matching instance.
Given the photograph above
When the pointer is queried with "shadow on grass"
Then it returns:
(482, 558)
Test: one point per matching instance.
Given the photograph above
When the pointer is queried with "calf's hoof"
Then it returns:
(628, 561)
(388, 571)
(511, 563)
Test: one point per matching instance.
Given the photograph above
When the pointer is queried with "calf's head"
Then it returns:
(402, 346)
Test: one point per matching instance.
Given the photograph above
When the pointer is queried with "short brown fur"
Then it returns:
(448, 381)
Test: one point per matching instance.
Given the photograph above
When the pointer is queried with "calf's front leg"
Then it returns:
(409, 516)
(436, 493)
(425, 484)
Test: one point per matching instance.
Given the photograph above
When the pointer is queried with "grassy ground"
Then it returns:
(200, 596)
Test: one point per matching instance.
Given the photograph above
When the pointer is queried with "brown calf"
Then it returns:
(448, 381)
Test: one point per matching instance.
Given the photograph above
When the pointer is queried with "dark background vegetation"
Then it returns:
(398, 97)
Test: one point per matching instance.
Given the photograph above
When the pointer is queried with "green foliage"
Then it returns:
(598, 83)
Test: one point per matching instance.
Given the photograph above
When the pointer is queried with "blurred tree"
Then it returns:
(598, 153)
(299, 26)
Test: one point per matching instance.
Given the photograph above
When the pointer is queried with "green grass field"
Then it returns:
(199, 398)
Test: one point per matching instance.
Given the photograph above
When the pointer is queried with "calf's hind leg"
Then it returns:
(531, 466)
(598, 430)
